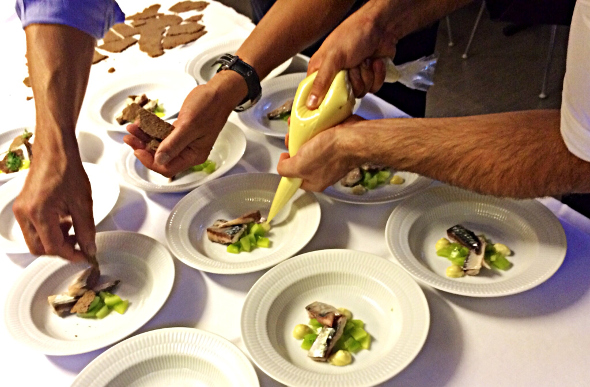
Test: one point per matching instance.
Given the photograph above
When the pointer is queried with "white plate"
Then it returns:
(6, 139)
(374, 289)
(227, 151)
(170, 357)
(168, 87)
(527, 227)
(382, 194)
(145, 268)
(105, 192)
(201, 66)
(228, 198)
(275, 92)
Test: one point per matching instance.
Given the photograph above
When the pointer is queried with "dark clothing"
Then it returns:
(413, 46)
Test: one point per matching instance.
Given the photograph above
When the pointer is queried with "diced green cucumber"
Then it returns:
(352, 345)
(121, 307)
(314, 323)
(263, 242)
(308, 341)
(103, 312)
(94, 303)
(245, 243)
(383, 176)
(265, 226)
(253, 239)
(358, 333)
(234, 248)
(210, 168)
(366, 342)
(258, 230)
(89, 314)
(366, 177)
(358, 323)
(104, 295)
(349, 326)
(372, 183)
(500, 262)
(112, 300)
(197, 168)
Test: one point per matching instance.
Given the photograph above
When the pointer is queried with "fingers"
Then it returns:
(379, 72)
(47, 227)
(83, 221)
(134, 142)
(137, 132)
(175, 143)
(367, 76)
(326, 73)
(287, 141)
(354, 75)
(284, 167)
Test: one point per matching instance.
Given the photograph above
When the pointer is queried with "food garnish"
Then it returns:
(469, 252)
(241, 234)
(367, 177)
(283, 112)
(331, 334)
(19, 154)
(129, 115)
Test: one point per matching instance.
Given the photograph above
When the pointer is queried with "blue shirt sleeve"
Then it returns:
(94, 17)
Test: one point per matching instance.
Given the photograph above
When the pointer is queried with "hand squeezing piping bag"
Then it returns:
(335, 108)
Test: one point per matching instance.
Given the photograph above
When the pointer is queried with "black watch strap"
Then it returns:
(233, 62)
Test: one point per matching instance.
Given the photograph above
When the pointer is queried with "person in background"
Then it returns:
(523, 154)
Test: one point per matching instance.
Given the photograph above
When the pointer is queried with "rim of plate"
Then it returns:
(17, 311)
(217, 47)
(7, 136)
(161, 342)
(381, 194)
(250, 118)
(548, 228)
(179, 221)
(230, 132)
(96, 174)
(415, 324)
(166, 78)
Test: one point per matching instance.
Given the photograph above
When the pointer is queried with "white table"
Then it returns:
(536, 338)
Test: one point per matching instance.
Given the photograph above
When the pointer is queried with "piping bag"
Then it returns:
(337, 106)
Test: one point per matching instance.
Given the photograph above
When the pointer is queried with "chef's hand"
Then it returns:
(56, 195)
(202, 116)
(356, 44)
(324, 159)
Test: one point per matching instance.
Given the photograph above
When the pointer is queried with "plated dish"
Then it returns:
(227, 151)
(6, 140)
(105, 192)
(145, 268)
(227, 198)
(171, 356)
(532, 232)
(201, 66)
(391, 303)
(169, 88)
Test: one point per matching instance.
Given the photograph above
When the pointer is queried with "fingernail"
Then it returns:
(91, 249)
(162, 158)
(312, 100)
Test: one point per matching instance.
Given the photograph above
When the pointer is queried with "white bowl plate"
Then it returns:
(375, 290)
(527, 227)
(168, 87)
(145, 268)
(227, 152)
(227, 198)
(170, 357)
(105, 192)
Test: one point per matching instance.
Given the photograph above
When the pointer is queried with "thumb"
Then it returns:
(83, 221)
(285, 167)
(172, 145)
(326, 73)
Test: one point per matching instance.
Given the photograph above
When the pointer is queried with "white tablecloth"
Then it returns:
(536, 338)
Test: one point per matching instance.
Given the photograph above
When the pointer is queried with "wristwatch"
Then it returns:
(233, 62)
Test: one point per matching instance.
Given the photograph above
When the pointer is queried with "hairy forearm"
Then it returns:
(59, 59)
(289, 27)
(520, 154)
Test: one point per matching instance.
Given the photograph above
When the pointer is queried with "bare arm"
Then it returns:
(57, 191)
(519, 154)
(288, 27)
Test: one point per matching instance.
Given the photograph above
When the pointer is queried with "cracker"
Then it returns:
(125, 30)
(185, 6)
(195, 18)
(150, 42)
(174, 41)
(147, 13)
(118, 46)
(97, 57)
(27, 82)
(181, 29)
(111, 36)
(111, 70)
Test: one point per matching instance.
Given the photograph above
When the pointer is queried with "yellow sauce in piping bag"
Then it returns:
(335, 108)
